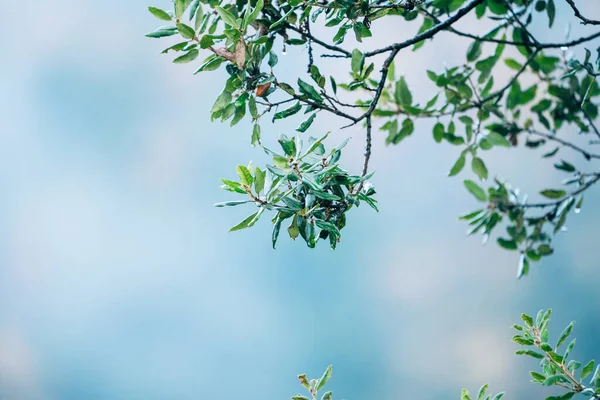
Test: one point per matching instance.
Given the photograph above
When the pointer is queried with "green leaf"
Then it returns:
(530, 353)
(403, 95)
(288, 112)
(259, 180)
(210, 64)
(244, 174)
(181, 6)
(554, 379)
(528, 320)
(458, 165)
(438, 132)
(163, 31)
(565, 335)
(475, 190)
(537, 376)
(551, 153)
(176, 47)
(358, 60)
(232, 203)
(252, 107)
(474, 51)
(478, 166)
(512, 64)
(551, 10)
(187, 57)
(222, 101)
(565, 166)
(553, 193)
(324, 379)
(326, 196)
(315, 145)
(276, 229)
(245, 223)
(194, 8)
(293, 230)
(255, 12)
(160, 14)
(507, 244)
(306, 123)
(496, 139)
(186, 31)
(309, 91)
(471, 215)
(595, 380)
(464, 395)
(327, 396)
(328, 226)
(282, 19)
(481, 393)
(587, 369)
(227, 17)
(255, 135)
(565, 396)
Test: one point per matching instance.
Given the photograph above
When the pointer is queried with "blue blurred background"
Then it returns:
(118, 279)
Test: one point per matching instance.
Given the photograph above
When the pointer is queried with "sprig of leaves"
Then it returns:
(556, 369)
(304, 185)
(314, 386)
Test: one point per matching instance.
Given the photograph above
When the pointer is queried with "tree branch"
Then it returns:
(584, 20)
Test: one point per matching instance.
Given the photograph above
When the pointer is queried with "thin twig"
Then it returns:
(584, 20)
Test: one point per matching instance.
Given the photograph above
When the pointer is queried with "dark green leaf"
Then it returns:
(438, 132)
(309, 91)
(163, 31)
(306, 123)
(553, 193)
(288, 112)
(507, 244)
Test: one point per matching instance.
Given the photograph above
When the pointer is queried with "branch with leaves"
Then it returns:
(569, 376)
(471, 107)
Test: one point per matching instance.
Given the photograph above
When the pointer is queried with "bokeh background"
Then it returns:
(118, 279)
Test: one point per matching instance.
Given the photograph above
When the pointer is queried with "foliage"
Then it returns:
(549, 100)
(554, 370)
(549, 97)
(304, 185)
(314, 386)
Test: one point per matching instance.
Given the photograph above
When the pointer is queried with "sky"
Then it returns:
(119, 280)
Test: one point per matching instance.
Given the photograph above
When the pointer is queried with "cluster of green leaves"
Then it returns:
(472, 109)
(482, 394)
(475, 113)
(306, 185)
(314, 386)
(555, 370)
